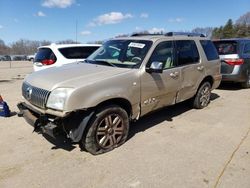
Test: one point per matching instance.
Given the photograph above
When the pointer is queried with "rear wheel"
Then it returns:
(246, 84)
(202, 97)
(107, 130)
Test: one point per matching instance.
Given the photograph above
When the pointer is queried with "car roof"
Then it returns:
(159, 37)
(69, 45)
(232, 39)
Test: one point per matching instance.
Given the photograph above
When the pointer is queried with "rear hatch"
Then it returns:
(44, 57)
(77, 53)
(228, 51)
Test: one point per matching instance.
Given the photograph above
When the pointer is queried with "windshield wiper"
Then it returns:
(100, 62)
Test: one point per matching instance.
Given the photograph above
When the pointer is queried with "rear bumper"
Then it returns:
(241, 77)
(238, 74)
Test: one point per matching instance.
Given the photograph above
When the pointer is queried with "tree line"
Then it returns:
(26, 47)
(240, 29)
(231, 30)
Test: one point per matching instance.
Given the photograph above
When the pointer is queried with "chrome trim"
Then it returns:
(34, 95)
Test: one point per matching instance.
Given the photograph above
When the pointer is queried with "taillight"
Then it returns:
(48, 62)
(234, 61)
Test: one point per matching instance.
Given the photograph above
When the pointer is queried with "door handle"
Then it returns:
(200, 68)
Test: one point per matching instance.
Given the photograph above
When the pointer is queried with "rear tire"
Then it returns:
(246, 84)
(107, 130)
(202, 97)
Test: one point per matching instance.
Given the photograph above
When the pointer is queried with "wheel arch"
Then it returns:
(207, 79)
(123, 103)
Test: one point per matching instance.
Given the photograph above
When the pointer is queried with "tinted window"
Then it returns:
(164, 53)
(209, 50)
(187, 52)
(44, 53)
(247, 48)
(226, 47)
(77, 52)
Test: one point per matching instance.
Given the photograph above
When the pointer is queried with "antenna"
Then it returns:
(76, 31)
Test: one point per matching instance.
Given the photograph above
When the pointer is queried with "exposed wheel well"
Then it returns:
(207, 79)
(123, 103)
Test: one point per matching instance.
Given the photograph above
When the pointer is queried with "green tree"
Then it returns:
(228, 29)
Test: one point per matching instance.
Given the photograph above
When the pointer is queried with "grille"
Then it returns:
(34, 95)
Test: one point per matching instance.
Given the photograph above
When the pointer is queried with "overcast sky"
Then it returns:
(55, 20)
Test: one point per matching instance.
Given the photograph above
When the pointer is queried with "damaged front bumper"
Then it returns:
(72, 125)
(39, 121)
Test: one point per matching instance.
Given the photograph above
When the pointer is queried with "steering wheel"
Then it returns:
(136, 59)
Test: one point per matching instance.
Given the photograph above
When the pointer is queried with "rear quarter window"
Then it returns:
(209, 49)
(77, 52)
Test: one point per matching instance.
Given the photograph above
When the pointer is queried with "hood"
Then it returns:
(72, 75)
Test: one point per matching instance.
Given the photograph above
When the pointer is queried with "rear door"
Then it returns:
(191, 66)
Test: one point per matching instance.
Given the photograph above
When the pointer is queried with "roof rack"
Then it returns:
(144, 34)
(185, 34)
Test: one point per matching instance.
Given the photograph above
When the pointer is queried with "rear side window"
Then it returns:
(226, 47)
(209, 50)
(247, 48)
(77, 52)
(187, 52)
(44, 54)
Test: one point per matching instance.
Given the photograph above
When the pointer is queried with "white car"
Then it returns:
(56, 55)
(31, 57)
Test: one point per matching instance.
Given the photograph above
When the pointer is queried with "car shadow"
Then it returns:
(146, 122)
(61, 142)
(164, 114)
(230, 86)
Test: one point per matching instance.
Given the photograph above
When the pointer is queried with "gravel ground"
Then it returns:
(173, 147)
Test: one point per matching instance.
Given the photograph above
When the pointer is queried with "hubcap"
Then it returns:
(205, 96)
(110, 131)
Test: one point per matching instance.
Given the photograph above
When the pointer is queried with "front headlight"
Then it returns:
(58, 97)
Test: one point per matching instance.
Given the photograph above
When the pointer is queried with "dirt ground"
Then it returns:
(175, 147)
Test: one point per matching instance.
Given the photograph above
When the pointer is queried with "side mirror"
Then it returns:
(156, 67)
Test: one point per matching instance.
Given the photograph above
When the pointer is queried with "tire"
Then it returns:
(107, 130)
(202, 97)
(246, 84)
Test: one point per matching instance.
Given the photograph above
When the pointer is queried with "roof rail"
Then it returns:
(185, 34)
(143, 34)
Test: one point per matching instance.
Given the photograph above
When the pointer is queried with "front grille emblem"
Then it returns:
(28, 93)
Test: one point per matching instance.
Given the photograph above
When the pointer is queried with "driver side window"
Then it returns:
(164, 52)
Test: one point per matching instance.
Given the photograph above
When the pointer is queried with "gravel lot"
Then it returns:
(173, 147)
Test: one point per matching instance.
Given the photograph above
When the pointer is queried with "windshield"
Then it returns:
(121, 53)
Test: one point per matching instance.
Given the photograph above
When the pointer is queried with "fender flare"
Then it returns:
(76, 134)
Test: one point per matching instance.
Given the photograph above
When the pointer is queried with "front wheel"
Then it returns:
(106, 131)
(202, 97)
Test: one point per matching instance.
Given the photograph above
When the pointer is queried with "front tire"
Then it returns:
(107, 130)
(202, 97)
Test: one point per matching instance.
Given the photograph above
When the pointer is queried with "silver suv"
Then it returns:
(93, 102)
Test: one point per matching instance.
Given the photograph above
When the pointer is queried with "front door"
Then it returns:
(160, 89)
